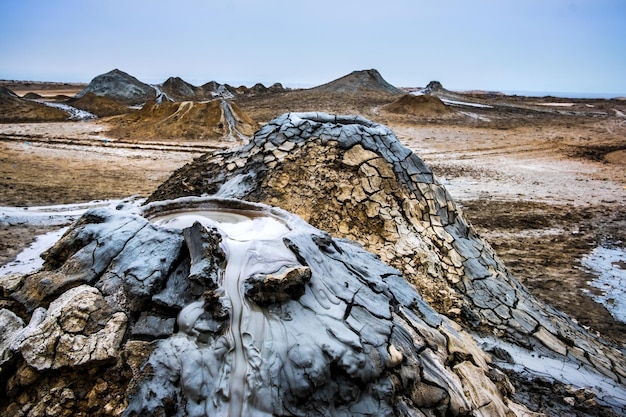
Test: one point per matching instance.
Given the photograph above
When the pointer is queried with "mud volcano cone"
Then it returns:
(352, 178)
(205, 306)
(366, 293)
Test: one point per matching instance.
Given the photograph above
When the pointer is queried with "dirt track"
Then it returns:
(544, 194)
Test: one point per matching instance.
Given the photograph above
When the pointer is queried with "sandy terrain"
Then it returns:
(543, 191)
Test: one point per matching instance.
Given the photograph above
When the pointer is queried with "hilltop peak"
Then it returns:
(357, 81)
(121, 86)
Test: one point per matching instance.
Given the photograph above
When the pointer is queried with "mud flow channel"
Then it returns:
(253, 245)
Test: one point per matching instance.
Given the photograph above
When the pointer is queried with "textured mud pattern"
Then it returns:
(198, 306)
(328, 329)
(352, 178)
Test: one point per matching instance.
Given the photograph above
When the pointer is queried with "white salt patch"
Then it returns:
(29, 260)
(609, 264)
(475, 116)
(464, 103)
(555, 104)
(60, 214)
(74, 113)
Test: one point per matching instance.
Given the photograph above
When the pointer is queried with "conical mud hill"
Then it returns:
(177, 89)
(214, 120)
(180, 90)
(417, 105)
(359, 81)
(360, 92)
(354, 179)
(120, 86)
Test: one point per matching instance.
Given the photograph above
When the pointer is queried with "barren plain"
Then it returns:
(542, 179)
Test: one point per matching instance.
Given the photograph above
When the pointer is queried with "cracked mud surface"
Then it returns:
(512, 184)
(542, 204)
(543, 196)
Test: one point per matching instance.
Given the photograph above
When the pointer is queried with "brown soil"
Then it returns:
(14, 109)
(423, 105)
(100, 106)
(265, 107)
(188, 120)
(542, 184)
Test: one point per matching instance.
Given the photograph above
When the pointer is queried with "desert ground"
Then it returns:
(543, 180)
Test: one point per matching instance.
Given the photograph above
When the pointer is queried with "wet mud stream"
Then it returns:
(252, 246)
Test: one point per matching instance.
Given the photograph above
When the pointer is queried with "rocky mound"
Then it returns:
(434, 87)
(214, 120)
(98, 105)
(119, 86)
(14, 109)
(417, 105)
(216, 90)
(353, 178)
(180, 90)
(359, 81)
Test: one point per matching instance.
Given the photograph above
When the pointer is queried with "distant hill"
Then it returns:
(417, 105)
(359, 81)
(120, 86)
(434, 87)
(259, 88)
(14, 109)
(180, 90)
(360, 92)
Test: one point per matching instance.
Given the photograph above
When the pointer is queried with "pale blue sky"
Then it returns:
(512, 45)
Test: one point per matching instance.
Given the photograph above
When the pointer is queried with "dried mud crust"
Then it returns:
(31, 174)
(543, 244)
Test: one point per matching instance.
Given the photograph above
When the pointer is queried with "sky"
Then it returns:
(571, 46)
